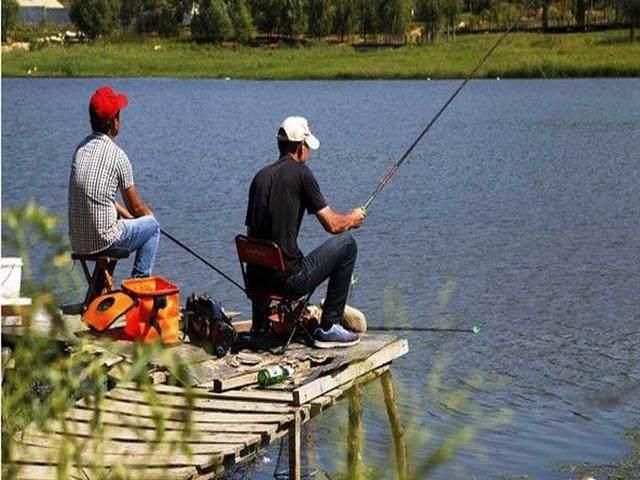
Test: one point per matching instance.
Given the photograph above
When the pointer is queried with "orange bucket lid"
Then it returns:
(106, 309)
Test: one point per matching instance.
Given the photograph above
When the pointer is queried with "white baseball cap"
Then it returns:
(297, 130)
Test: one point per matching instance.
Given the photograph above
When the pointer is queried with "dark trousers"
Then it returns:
(334, 259)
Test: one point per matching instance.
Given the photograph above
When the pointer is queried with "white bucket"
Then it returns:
(10, 276)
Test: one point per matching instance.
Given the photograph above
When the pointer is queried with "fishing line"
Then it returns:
(475, 329)
(396, 166)
(220, 272)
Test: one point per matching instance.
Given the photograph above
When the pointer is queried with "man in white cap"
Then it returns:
(279, 195)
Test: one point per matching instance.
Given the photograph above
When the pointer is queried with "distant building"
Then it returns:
(36, 12)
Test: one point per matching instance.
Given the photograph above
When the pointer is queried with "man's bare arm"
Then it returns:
(135, 206)
(334, 222)
(122, 211)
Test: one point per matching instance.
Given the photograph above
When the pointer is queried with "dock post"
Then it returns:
(295, 446)
(354, 452)
(396, 425)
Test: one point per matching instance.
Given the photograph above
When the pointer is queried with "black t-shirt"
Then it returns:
(278, 197)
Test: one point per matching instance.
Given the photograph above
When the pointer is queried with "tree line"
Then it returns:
(245, 20)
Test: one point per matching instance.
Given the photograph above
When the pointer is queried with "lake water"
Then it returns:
(518, 212)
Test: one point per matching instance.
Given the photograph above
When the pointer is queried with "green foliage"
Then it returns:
(321, 15)
(266, 14)
(293, 18)
(95, 17)
(241, 20)
(10, 9)
(395, 16)
(30, 225)
(212, 22)
(130, 10)
(49, 369)
(430, 13)
(281, 17)
(451, 9)
(169, 22)
(369, 19)
(524, 55)
(631, 11)
(345, 18)
(503, 14)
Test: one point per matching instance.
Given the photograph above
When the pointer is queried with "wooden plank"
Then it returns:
(84, 430)
(263, 394)
(200, 403)
(322, 385)
(49, 472)
(117, 406)
(132, 457)
(53, 441)
(223, 384)
(134, 421)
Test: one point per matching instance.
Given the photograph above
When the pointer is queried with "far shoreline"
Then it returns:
(605, 54)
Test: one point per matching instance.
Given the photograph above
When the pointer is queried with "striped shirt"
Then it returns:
(99, 169)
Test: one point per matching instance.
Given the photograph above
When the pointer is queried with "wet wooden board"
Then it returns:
(30, 471)
(384, 356)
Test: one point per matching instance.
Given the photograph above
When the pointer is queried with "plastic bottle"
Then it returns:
(273, 375)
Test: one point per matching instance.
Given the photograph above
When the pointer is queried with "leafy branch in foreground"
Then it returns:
(50, 370)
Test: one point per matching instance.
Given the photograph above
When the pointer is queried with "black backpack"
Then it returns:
(207, 326)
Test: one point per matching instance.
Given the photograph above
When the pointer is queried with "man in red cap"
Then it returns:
(100, 168)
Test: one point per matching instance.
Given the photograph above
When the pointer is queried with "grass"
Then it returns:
(521, 55)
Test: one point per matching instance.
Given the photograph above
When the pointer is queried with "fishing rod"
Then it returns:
(396, 166)
(475, 329)
(220, 272)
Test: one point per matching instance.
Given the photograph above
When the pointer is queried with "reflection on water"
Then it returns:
(518, 212)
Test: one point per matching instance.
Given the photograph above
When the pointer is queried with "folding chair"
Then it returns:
(101, 280)
(267, 254)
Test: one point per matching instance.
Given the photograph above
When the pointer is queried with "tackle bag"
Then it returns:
(207, 326)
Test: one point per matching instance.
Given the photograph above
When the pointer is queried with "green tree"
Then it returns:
(345, 18)
(169, 22)
(241, 20)
(95, 17)
(581, 14)
(503, 14)
(212, 22)
(631, 11)
(451, 10)
(10, 9)
(430, 13)
(293, 20)
(266, 15)
(130, 10)
(369, 19)
(395, 16)
(321, 15)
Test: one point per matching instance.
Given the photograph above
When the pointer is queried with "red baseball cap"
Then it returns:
(105, 103)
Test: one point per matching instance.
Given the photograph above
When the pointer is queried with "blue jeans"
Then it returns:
(334, 259)
(141, 234)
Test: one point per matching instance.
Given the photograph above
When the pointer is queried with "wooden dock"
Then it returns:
(222, 419)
